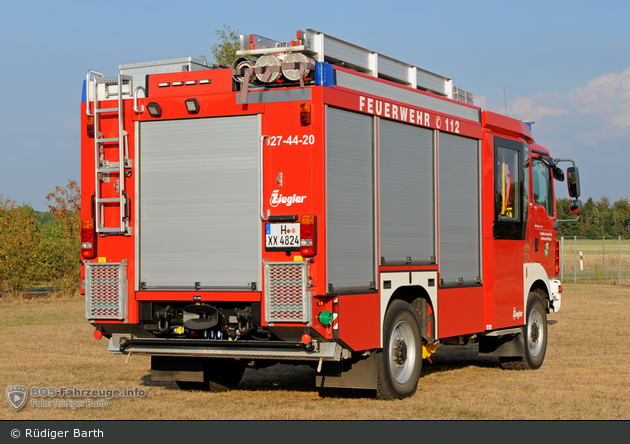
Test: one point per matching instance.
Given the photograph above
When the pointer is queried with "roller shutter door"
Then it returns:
(199, 194)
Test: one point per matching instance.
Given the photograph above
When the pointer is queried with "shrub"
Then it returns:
(49, 254)
(19, 242)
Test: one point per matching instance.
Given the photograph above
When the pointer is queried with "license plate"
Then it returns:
(282, 237)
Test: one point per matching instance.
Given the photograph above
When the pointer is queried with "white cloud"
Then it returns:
(531, 108)
(608, 95)
(599, 108)
(590, 124)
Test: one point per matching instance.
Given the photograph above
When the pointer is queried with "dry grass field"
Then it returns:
(46, 342)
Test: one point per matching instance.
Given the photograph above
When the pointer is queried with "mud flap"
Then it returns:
(168, 368)
(506, 345)
(355, 374)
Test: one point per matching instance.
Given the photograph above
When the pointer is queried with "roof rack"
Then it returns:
(325, 48)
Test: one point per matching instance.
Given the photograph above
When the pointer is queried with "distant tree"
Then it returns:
(65, 207)
(61, 241)
(621, 218)
(225, 50)
(605, 216)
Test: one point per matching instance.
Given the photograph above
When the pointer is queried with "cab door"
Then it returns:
(511, 174)
(544, 239)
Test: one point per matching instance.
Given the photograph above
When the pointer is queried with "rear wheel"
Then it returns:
(219, 375)
(535, 337)
(399, 363)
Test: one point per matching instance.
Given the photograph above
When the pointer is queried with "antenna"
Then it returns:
(505, 101)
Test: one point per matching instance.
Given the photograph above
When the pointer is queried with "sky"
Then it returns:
(563, 64)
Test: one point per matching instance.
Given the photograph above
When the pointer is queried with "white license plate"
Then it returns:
(282, 236)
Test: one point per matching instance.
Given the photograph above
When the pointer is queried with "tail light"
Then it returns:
(308, 235)
(88, 239)
(305, 114)
(89, 126)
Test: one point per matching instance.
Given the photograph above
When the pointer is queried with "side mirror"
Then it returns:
(576, 206)
(573, 183)
(558, 174)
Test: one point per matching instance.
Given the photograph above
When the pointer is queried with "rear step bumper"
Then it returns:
(327, 351)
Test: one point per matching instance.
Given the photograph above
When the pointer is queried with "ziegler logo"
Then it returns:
(277, 199)
(516, 314)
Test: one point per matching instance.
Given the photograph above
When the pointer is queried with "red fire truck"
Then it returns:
(315, 203)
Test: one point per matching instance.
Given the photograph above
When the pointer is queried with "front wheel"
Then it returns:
(535, 337)
(400, 361)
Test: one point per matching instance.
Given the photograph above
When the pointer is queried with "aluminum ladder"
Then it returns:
(104, 169)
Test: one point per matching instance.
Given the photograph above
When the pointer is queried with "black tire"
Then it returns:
(219, 375)
(534, 336)
(399, 363)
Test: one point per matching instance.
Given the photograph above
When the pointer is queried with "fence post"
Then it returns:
(562, 258)
(619, 281)
(575, 259)
(604, 258)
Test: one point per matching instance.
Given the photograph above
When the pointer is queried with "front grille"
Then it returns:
(287, 296)
(106, 290)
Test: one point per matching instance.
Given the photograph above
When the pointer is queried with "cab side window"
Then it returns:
(542, 182)
(511, 174)
(507, 185)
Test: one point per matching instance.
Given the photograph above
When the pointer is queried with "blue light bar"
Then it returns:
(324, 74)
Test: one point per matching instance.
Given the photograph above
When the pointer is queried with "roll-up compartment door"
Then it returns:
(406, 184)
(350, 199)
(459, 192)
(199, 222)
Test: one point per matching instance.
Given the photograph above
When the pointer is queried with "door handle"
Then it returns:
(536, 243)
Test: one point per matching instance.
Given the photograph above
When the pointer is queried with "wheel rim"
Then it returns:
(402, 352)
(535, 332)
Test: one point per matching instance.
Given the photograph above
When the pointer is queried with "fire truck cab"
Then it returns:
(315, 203)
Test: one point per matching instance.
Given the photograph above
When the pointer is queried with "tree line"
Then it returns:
(599, 218)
